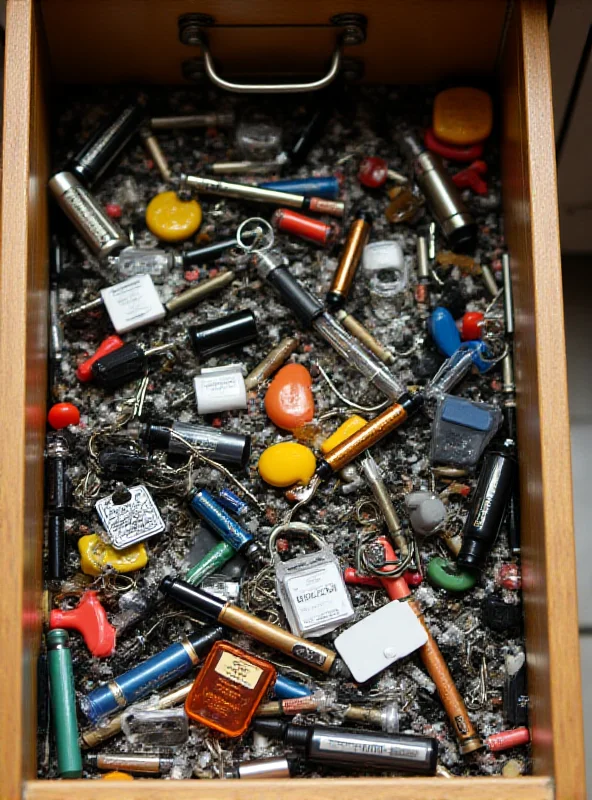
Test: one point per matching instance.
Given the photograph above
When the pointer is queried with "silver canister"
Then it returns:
(101, 234)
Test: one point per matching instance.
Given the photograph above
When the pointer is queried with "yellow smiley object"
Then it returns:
(173, 219)
(95, 556)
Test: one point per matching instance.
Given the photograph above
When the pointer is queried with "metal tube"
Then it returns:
(191, 297)
(271, 362)
(356, 328)
(382, 497)
(508, 295)
(212, 119)
(152, 144)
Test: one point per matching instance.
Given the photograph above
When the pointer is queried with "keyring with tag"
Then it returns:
(310, 587)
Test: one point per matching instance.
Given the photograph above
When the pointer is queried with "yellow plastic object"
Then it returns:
(117, 776)
(350, 426)
(95, 556)
(173, 219)
(286, 463)
(462, 115)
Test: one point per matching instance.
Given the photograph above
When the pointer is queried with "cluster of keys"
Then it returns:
(294, 594)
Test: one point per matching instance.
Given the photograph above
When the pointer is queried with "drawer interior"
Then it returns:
(61, 42)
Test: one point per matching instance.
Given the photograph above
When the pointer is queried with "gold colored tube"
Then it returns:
(367, 436)
(152, 145)
(315, 655)
(148, 765)
(453, 703)
(271, 362)
(350, 258)
(356, 328)
(191, 297)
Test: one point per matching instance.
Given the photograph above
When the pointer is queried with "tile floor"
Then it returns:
(577, 288)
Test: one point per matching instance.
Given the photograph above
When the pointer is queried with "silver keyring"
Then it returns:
(295, 527)
(262, 231)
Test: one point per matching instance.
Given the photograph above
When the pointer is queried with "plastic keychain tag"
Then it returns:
(220, 389)
(133, 303)
(155, 728)
(310, 587)
(380, 639)
(133, 520)
(462, 430)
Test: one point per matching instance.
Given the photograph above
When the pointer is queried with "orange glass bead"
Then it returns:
(462, 115)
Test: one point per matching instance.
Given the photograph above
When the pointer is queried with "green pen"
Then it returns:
(63, 703)
(210, 563)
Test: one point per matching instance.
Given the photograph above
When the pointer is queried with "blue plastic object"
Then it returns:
(285, 688)
(443, 331)
(220, 520)
(464, 412)
(480, 355)
(309, 187)
(232, 502)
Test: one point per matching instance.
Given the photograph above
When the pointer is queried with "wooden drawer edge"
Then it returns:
(527, 788)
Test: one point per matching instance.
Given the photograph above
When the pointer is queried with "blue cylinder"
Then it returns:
(225, 526)
(232, 502)
(309, 187)
(285, 688)
(162, 668)
(443, 330)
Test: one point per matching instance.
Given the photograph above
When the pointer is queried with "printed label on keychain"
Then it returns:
(131, 521)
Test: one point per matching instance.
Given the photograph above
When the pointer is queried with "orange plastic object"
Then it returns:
(117, 776)
(289, 402)
(462, 115)
(90, 619)
(228, 689)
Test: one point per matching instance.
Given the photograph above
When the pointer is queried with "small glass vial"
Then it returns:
(228, 689)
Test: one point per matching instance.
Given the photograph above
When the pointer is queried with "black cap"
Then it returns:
(203, 639)
(157, 437)
(360, 213)
(203, 603)
(224, 333)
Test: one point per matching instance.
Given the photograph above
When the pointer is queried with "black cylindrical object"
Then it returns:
(353, 748)
(121, 463)
(209, 252)
(488, 508)
(127, 363)
(190, 596)
(273, 268)
(231, 449)
(58, 496)
(102, 148)
(309, 135)
(222, 334)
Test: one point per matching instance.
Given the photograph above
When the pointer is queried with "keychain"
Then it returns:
(310, 587)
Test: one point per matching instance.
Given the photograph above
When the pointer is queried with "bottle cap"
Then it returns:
(224, 333)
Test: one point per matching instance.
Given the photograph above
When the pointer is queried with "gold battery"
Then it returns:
(191, 297)
(357, 239)
(271, 362)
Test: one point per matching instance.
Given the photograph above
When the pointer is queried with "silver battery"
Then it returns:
(102, 235)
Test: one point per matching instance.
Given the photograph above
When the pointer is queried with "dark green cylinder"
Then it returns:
(63, 703)
(212, 561)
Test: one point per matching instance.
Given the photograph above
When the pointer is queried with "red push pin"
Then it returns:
(63, 414)
(89, 619)
(471, 326)
(108, 345)
(470, 178)
(451, 151)
(374, 173)
(113, 210)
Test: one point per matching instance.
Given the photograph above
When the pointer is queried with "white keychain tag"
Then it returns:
(311, 587)
(133, 303)
(132, 521)
(220, 389)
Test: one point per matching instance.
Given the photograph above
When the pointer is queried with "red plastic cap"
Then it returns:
(452, 151)
(108, 345)
(89, 619)
(470, 178)
(373, 172)
(63, 414)
(471, 326)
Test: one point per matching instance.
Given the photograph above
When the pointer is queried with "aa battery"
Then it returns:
(63, 703)
(311, 230)
(102, 235)
(110, 139)
(211, 563)
(357, 238)
(225, 526)
(231, 449)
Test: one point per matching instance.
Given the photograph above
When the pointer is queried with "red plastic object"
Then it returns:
(396, 588)
(312, 230)
(509, 577)
(89, 619)
(373, 172)
(108, 345)
(470, 326)
(451, 151)
(413, 578)
(63, 414)
(351, 577)
(470, 178)
(113, 210)
(506, 739)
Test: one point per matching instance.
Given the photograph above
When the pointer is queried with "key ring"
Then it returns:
(295, 527)
(260, 230)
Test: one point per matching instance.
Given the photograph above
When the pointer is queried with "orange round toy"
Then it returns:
(289, 402)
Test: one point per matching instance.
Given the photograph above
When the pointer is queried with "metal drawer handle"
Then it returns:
(269, 88)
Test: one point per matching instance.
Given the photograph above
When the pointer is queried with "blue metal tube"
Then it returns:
(220, 520)
(285, 688)
(309, 187)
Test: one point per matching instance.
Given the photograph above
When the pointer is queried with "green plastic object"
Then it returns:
(63, 703)
(446, 575)
(210, 563)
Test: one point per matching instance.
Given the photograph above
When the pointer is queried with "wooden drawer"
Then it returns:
(117, 40)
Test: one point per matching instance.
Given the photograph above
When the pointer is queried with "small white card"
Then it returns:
(133, 303)
(220, 389)
(380, 639)
(132, 521)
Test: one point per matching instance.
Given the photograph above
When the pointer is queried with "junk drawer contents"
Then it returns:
(282, 522)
